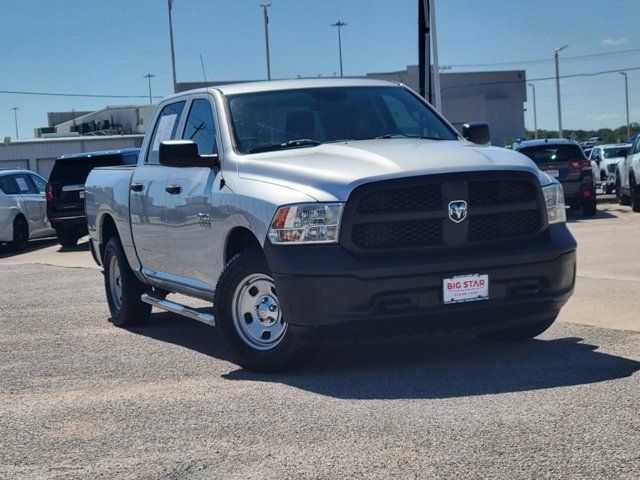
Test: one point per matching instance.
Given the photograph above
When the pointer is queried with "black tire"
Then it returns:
(622, 199)
(67, 238)
(289, 350)
(129, 310)
(519, 334)
(20, 234)
(635, 194)
(589, 208)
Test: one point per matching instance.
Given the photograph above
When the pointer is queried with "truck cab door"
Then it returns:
(147, 194)
(193, 238)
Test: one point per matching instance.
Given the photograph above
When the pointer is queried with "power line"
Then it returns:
(550, 60)
(541, 79)
(84, 95)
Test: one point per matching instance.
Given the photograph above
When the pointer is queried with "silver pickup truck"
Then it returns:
(311, 209)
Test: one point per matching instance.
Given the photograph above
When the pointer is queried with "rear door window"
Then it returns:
(8, 185)
(25, 185)
(40, 183)
(165, 129)
(544, 154)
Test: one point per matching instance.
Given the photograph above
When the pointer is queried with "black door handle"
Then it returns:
(173, 189)
(136, 187)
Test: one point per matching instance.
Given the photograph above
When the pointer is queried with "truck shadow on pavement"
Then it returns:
(422, 367)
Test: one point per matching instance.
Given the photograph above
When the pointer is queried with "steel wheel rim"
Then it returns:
(115, 283)
(256, 313)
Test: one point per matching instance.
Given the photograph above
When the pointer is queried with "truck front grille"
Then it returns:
(412, 213)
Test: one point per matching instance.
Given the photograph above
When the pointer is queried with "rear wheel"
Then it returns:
(249, 319)
(67, 238)
(521, 333)
(122, 287)
(589, 208)
(20, 233)
(635, 194)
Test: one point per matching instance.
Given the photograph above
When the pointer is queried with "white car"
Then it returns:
(606, 157)
(23, 208)
(628, 177)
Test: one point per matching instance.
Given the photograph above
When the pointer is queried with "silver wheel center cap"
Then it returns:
(267, 310)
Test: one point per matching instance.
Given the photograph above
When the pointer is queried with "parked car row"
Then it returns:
(31, 208)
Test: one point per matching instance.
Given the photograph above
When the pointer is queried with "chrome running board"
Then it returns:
(179, 309)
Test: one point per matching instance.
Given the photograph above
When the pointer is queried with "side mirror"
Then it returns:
(477, 132)
(184, 153)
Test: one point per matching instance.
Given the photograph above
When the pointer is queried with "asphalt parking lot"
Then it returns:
(80, 398)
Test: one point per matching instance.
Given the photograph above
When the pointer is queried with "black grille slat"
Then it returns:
(401, 199)
(503, 225)
(398, 234)
(500, 191)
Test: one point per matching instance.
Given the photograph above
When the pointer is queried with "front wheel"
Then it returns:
(249, 319)
(519, 334)
(122, 287)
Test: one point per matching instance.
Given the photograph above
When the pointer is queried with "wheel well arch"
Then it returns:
(108, 229)
(239, 240)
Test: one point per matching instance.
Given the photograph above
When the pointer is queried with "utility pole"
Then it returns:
(173, 52)
(626, 97)
(424, 49)
(149, 76)
(15, 118)
(265, 5)
(437, 96)
(339, 24)
(535, 113)
(557, 51)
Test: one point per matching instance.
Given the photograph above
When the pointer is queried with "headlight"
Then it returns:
(554, 199)
(306, 223)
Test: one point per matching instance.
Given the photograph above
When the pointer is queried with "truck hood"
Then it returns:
(329, 172)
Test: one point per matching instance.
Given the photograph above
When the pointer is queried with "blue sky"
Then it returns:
(98, 47)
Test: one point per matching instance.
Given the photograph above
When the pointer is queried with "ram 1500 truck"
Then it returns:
(312, 209)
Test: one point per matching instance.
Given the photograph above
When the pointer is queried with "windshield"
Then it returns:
(307, 117)
(614, 152)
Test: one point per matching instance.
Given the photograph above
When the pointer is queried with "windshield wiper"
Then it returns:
(403, 135)
(301, 142)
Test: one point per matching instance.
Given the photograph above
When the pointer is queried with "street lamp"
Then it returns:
(15, 118)
(626, 97)
(149, 76)
(339, 24)
(173, 52)
(557, 51)
(535, 113)
(264, 6)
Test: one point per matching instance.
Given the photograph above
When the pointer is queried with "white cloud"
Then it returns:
(614, 41)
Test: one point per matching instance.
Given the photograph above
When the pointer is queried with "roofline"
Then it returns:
(74, 138)
(100, 153)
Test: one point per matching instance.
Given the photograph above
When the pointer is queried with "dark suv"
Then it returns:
(65, 190)
(564, 160)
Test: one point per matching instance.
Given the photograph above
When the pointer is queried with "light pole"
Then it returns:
(173, 52)
(626, 97)
(265, 5)
(15, 118)
(557, 51)
(535, 113)
(149, 76)
(339, 24)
